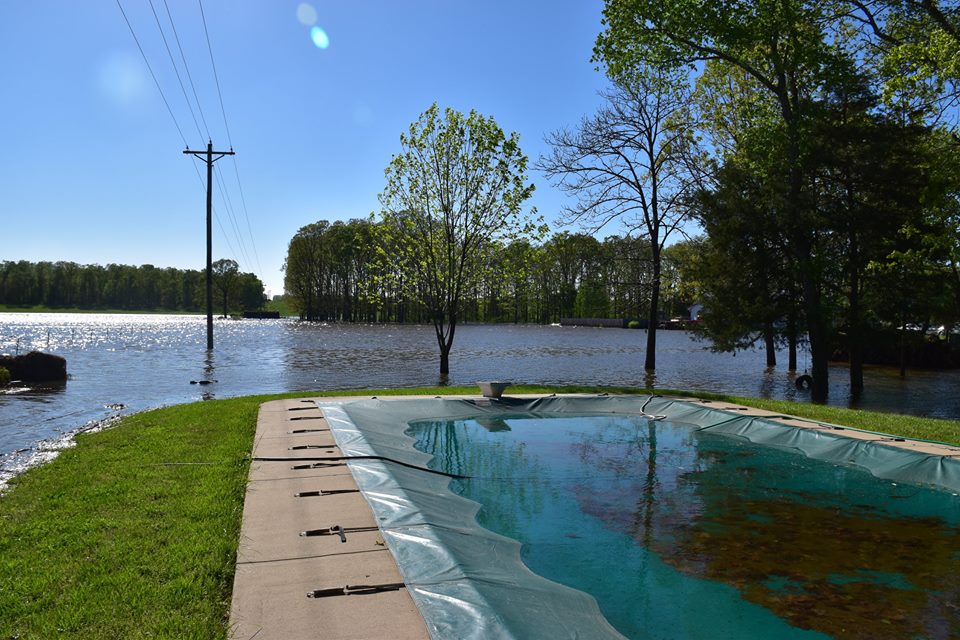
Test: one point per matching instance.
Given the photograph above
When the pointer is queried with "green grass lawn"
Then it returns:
(133, 533)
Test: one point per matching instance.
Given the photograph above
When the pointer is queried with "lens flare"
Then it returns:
(122, 79)
(306, 14)
(319, 37)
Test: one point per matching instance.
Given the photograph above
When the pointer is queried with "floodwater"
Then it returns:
(122, 363)
(680, 533)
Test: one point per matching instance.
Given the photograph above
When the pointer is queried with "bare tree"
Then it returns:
(631, 163)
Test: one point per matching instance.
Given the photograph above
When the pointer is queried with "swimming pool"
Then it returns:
(580, 517)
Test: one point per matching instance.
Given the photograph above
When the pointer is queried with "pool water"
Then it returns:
(680, 533)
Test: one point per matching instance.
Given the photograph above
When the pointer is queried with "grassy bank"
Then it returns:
(133, 532)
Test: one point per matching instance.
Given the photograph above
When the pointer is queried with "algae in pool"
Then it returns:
(685, 534)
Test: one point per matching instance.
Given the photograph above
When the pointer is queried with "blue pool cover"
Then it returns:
(680, 528)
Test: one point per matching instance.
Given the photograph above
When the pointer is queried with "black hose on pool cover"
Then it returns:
(413, 466)
(381, 458)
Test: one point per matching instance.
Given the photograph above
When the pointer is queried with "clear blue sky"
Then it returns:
(92, 169)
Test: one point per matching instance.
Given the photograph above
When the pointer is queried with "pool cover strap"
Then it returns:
(356, 590)
(323, 492)
(340, 459)
(336, 530)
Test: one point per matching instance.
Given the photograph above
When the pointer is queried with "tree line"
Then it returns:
(332, 273)
(132, 288)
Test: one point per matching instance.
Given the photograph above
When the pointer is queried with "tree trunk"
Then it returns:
(903, 343)
(444, 361)
(819, 343)
(854, 324)
(650, 359)
(445, 342)
(817, 325)
(800, 230)
(769, 344)
(792, 341)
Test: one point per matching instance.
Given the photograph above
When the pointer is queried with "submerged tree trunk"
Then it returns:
(854, 322)
(650, 359)
(769, 344)
(819, 344)
(445, 342)
(444, 361)
(792, 341)
(903, 343)
(817, 321)
(798, 217)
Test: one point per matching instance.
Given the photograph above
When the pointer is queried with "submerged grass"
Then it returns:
(133, 533)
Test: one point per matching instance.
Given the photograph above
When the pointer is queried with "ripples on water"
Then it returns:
(143, 361)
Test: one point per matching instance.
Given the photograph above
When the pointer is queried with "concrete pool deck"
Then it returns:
(277, 567)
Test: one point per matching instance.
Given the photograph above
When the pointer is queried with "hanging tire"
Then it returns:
(804, 382)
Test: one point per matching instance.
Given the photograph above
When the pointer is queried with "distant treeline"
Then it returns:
(331, 274)
(117, 286)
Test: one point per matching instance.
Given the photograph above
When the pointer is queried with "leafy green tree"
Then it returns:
(250, 294)
(743, 272)
(519, 259)
(914, 46)
(457, 186)
(226, 282)
(680, 289)
(572, 258)
(592, 299)
(787, 50)
(303, 268)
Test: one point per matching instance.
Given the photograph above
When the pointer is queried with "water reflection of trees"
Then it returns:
(638, 483)
(505, 478)
(785, 535)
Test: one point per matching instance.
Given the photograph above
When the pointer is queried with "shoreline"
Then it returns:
(15, 463)
(45, 451)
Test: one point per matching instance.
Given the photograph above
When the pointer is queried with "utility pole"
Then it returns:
(209, 159)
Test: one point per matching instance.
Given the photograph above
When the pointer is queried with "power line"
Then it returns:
(215, 77)
(216, 214)
(229, 140)
(153, 75)
(222, 185)
(187, 68)
(247, 217)
(225, 195)
(175, 69)
(233, 252)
